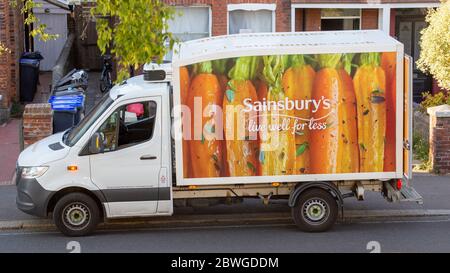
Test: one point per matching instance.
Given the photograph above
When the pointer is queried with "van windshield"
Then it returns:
(74, 134)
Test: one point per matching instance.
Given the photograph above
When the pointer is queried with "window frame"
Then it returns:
(209, 17)
(252, 7)
(343, 17)
(114, 109)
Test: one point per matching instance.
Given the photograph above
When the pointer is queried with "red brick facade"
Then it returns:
(369, 17)
(11, 36)
(37, 122)
(219, 12)
(440, 139)
(5, 73)
(308, 19)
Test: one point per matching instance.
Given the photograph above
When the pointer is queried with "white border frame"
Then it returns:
(384, 10)
(181, 181)
(252, 7)
(408, 173)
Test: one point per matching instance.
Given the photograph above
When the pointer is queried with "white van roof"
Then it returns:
(255, 44)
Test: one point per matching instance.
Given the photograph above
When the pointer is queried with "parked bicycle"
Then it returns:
(106, 79)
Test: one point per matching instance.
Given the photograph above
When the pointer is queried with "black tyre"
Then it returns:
(76, 214)
(316, 210)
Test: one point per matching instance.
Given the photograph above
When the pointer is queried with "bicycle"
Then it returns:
(106, 79)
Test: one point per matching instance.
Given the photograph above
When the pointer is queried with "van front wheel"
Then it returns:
(316, 210)
(76, 214)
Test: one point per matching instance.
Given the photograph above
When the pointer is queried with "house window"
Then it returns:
(191, 23)
(340, 19)
(250, 18)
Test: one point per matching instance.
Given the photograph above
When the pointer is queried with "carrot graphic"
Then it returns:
(206, 153)
(348, 141)
(333, 146)
(220, 70)
(277, 142)
(297, 85)
(388, 63)
(184, 91)
(370, 87)
(241, 144)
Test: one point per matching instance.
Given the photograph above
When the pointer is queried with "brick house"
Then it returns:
(403, 19)
(11, 35)
(202, 18)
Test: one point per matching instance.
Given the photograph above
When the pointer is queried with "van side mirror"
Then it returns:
(97, 143)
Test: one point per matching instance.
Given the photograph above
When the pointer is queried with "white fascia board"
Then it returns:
(252, 7)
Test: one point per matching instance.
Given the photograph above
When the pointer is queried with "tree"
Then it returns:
(435, 45)
(135, 31)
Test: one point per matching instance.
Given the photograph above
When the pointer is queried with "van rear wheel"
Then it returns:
(76, 214)
(316, 210)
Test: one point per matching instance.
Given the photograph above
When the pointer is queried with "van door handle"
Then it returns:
(148, 157)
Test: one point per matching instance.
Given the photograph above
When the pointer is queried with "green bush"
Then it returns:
(421, 148)
(16, 109)
(437, 99)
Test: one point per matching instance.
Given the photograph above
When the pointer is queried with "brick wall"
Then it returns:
(11, 35)
(440, 138)
(37, 122)
(5, 73)
(17, 36)
(369, 19)
(219, 12)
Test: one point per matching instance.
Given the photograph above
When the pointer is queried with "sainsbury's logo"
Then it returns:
(287, 104)
(247, 121)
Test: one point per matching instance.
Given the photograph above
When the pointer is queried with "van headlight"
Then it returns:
(33, 172)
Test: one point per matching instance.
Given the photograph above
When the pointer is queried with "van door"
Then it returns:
(128, 170)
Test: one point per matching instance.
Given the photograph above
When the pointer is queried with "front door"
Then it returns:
(128, 169)
(408, 30)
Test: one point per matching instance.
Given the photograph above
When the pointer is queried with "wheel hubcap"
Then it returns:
(76, 215)
(315, 211)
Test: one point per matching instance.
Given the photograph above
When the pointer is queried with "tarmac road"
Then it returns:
(413, 235)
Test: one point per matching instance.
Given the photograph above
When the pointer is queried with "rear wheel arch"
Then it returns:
(328, 186)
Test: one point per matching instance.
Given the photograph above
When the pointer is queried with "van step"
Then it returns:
(409, 194)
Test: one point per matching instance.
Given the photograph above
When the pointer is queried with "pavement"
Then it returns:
(9, 150)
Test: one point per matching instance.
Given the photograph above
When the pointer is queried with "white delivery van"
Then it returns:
(313, 117)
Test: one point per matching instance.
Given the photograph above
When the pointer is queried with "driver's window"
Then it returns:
(129, 125)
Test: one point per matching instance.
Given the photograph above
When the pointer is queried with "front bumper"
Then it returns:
(32, 198)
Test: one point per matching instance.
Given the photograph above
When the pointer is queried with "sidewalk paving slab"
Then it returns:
(9, 150)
